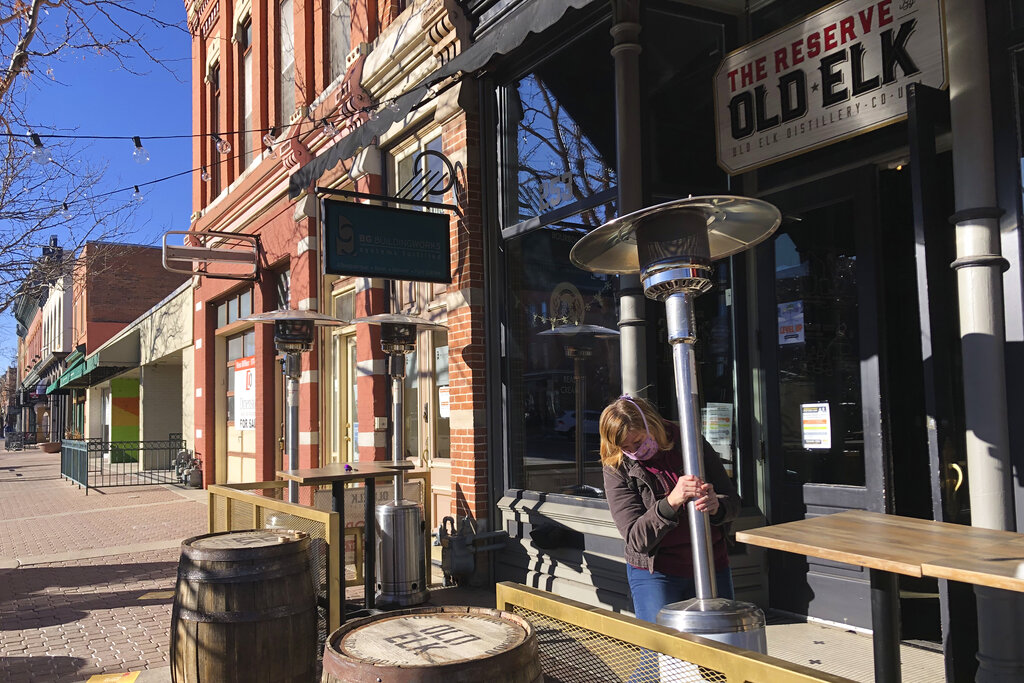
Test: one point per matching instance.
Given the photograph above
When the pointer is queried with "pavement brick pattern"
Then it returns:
(87, 581)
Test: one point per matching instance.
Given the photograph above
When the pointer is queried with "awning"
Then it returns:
(118, 355)
(533, 16)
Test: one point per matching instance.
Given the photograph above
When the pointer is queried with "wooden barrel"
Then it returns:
(434, 645)
(244, 609)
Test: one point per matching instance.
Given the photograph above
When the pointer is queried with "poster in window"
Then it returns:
(791, 323)
(245, 393)
(816, 423)
(717, 428)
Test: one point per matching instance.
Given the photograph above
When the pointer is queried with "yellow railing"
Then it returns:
(258, 505)
(239, 507)
(578, 642)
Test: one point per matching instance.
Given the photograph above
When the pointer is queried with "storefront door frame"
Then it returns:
(822, 589)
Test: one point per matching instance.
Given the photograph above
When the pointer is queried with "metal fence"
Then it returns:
(94, 463)
(579, 643)
(14, 441)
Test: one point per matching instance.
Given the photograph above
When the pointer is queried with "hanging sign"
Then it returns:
(817, 426)
(245, 394)
(378, 241)
(834, 74)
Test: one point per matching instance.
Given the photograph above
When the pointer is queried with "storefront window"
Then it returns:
(560, 123)
(558, 127)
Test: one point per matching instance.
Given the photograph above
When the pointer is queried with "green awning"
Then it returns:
(53, 387)
(77, 375)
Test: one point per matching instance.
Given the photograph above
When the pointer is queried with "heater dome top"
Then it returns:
(734, 224)
(400, 319)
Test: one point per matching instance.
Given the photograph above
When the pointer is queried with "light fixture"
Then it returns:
(137, 195)
(40, 154)
(393, 106)
(375, 114)
(65, 212)
(223, 146)
(330, 130)
(270, 137)
(139, 154)
(205, 175)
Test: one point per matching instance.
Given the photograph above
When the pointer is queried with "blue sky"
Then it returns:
(94, 96)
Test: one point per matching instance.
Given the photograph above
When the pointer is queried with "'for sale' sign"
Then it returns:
(836, 73)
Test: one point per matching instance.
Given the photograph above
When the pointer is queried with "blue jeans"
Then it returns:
(651, 592)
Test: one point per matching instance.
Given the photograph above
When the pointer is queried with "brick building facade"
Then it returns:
(344, 392)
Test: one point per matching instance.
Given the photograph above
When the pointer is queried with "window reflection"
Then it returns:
(562, 119)
(546, 373)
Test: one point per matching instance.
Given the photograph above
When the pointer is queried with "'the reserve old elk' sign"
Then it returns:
(839, 72)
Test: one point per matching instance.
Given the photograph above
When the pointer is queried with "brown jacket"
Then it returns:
(633, 494)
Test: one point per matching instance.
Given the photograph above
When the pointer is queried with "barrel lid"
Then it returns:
(432, 639)
(247, 539)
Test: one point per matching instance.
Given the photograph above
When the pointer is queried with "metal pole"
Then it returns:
(397, 371)
(979, 267)
(292, 363)
(682, 334)
(629, 165)
(581, 385)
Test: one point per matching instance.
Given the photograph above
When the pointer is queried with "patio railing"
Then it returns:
(94, 463)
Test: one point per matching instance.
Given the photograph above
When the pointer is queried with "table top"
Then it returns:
(1001, 570)
(336, 472)
(893, 543)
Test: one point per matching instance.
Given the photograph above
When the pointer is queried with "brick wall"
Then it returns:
(466, 328)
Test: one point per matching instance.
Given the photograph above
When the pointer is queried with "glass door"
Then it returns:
(819, 328)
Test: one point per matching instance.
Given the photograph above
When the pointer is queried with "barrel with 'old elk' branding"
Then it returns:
(834, 74)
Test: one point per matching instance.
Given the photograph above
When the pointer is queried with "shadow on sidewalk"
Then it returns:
(41, 668)
(28, 602)
(29, 580)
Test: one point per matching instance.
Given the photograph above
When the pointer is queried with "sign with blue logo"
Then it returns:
(377, 241)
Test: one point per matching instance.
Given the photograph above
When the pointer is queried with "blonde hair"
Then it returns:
(622, 416)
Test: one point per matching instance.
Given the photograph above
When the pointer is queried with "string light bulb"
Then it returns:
(40, 154)
(393, 106)
(269, 138)
(223, 146)
(139, 154)
(330, 130)
(205, 175)
(65, 212)
(137, 195)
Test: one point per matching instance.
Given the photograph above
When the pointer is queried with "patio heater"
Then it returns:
(400, 550)
(579, 346)
(672, 246)
(293, 334)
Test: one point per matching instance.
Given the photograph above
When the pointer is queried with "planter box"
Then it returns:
(50, 447)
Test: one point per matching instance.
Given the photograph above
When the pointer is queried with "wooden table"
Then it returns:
(337, 475)
(888, 545)
(1003, 569)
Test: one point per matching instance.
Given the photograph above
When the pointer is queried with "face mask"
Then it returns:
(648, 447)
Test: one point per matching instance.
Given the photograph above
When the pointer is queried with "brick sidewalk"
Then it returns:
(87, 581)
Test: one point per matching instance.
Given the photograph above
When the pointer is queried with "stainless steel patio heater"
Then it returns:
(672, 246)
(293, 334)
(579, 346)
(401, 578)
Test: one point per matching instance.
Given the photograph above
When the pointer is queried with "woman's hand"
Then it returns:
(708, 502)
(690, 487)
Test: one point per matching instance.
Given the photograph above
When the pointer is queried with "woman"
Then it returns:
(647, 495)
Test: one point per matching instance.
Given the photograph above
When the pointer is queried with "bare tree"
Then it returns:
(47, 186)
